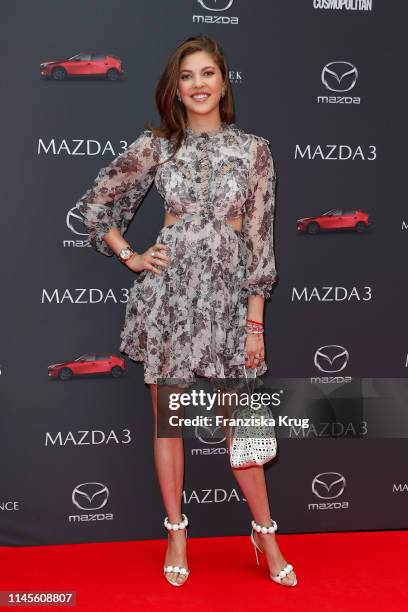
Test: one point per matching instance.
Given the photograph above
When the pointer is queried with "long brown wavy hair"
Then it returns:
(173, 116)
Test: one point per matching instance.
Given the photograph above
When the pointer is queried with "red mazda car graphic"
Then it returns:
(88, 364)
(336, 218)
(84, 64)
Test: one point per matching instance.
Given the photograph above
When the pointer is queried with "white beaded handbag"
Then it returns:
(246, 451)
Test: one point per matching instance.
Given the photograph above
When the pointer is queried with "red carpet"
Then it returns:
(336, 571)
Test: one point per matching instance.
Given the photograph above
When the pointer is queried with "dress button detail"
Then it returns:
(205, 173)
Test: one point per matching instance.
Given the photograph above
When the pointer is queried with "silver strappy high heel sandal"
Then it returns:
(288, 567)
(167, 569)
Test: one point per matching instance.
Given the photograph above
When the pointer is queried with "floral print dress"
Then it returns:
(191, 318)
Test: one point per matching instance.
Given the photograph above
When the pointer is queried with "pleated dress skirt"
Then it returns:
(191, 318)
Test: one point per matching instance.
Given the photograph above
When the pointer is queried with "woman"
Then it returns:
(196, 306)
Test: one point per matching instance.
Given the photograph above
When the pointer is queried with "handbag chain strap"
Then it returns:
(248, 378)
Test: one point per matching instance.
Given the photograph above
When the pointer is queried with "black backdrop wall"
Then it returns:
(323, 81)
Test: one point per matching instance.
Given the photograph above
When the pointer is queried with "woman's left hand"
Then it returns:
(254, 350)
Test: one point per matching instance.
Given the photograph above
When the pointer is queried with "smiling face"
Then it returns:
(199, 74)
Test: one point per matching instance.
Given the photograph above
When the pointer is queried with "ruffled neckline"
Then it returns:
(208, 134)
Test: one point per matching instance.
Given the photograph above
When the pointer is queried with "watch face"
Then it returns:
(125, 253)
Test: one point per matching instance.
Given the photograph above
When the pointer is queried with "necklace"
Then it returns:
(223, 125)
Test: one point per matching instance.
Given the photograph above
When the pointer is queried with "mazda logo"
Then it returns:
(206, 435)
(75, 222)
(339, 76)
(328, 485)
(90, 495)
(331, 358)
(212, 6)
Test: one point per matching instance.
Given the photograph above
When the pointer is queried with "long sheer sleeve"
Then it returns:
(118, 190)
(258, 222)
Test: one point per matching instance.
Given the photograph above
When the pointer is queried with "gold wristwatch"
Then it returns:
(125, 254)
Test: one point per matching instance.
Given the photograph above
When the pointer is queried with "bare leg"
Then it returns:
(253, 485)
(169, 463)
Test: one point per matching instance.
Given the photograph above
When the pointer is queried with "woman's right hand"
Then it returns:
(146, 261)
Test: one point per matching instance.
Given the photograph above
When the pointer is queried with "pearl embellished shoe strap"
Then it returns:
(265, 528)
(176, 526)
(177, 569)
(285, 571)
